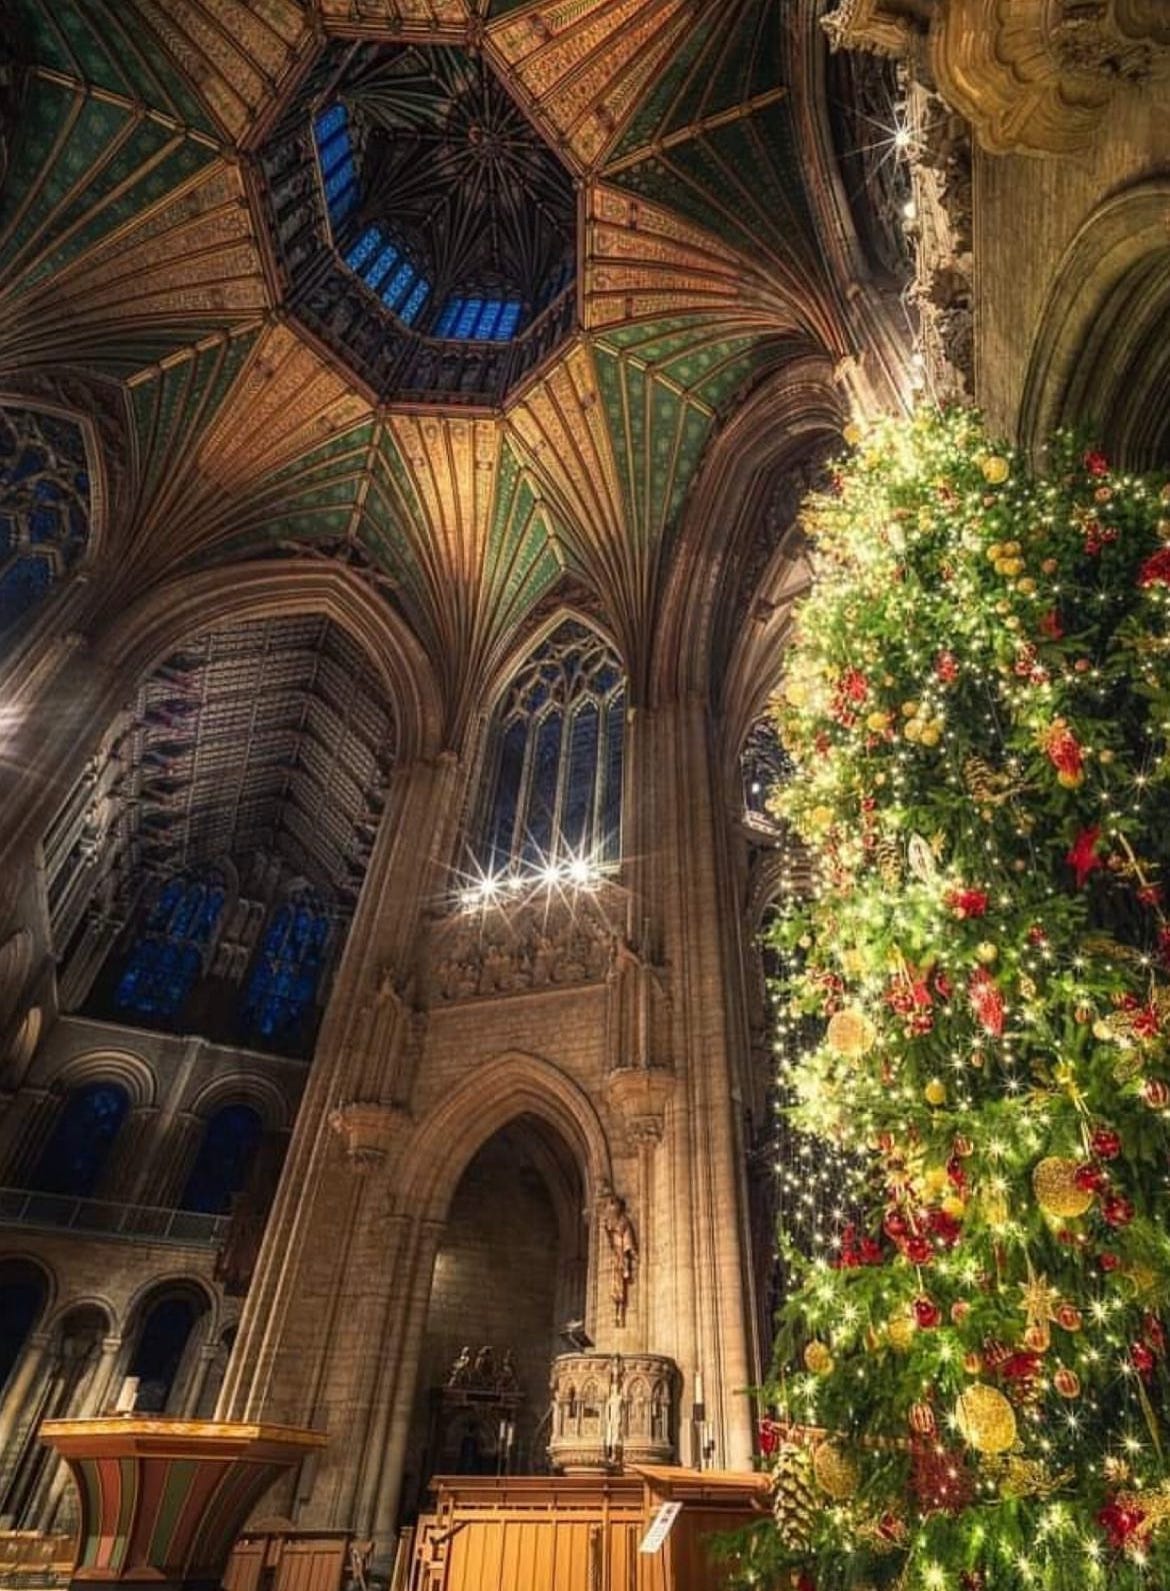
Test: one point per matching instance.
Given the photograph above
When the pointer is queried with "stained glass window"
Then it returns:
(556, 759)
(230, 1141)
(44, 507)
(171, 948)
(479, 319)
(335, 156)
(282, 992)
(159, 1352)
(73, 1158)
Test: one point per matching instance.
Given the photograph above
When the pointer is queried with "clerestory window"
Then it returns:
(555, 762)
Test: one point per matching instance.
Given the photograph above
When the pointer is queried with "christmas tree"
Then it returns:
(972, 1373)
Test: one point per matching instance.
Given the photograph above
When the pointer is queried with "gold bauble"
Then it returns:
(1055, 1186)
(851, 1033)
(900, 1332)
(996, 470)
(935, 1092)
(835, 1472)
(986, 1420)
(818, 1359)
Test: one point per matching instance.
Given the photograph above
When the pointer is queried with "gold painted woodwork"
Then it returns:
(581, 64)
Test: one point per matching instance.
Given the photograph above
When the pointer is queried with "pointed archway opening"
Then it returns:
(510, 1272)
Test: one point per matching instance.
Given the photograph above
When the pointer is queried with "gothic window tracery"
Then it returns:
(169, 951)
(44, 507)
(557, 758)
(282, 990)
(76, 1153)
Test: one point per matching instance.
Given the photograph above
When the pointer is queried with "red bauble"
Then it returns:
(769, 1433)
(1105, 1143)
(1156, 1093)
(922, 1420)
(1108, 1262)
(1117, 1210)
(1090, 1177)
(1120, 1521)
(1143, 1358)
(918, 1250)
(927, 1313)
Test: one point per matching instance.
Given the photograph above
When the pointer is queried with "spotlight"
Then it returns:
(579, 871)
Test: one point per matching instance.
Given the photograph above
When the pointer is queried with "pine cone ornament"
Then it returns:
(794, 1500)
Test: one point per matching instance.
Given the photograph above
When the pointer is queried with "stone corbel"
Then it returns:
(639, 1096)
(367, 1130)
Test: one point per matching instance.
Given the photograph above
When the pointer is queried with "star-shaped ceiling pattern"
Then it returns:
(131, 247)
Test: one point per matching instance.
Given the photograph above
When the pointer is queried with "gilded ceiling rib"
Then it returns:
(582, 64)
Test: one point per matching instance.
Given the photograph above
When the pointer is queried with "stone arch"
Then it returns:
(10, 1256)
(148, 1293)
(138, 640)
(244, 1088)
(133, 1072)
(98, 1303)
(1100, 357)
(801, 401)
(16, 959)
(510, 1085)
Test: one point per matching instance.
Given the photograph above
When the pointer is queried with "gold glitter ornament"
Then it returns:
(835, 1472)
(851, 1033)
(818, 1359)
(900, 1332)
(1055, 1186)
(985, 1418)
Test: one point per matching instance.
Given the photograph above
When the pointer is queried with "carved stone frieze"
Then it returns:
(533, 944)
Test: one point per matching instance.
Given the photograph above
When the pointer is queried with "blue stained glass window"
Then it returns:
(415, 302)
(230, 1141)
(342, 177)
(577, 821)
(398, 285)
(159, 1352)
(364, 249)
(447, 319)
(329, 121)
(167, 956)
(74, 1156)
(508, 323)
(282, 991)
(542, 802)
(556, 792)
(381, 267)
(489, 319)
(468, 317)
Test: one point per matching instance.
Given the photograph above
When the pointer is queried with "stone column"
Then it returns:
(16, 1397)
(131, 1158)
(681, 879)
(316, 1267)
(166, 1178)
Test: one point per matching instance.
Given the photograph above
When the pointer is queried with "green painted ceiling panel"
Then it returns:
(105, 43)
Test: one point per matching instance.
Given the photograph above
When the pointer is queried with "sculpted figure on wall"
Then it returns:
(622, 1242)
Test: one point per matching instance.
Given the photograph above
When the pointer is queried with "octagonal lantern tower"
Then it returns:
(421, 227)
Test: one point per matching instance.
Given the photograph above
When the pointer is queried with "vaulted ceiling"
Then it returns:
(136, 253)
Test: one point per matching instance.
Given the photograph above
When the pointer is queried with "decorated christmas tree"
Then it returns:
(971, 1381)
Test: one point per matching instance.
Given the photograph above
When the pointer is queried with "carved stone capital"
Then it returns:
(639, 1095)
(368, 1131)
